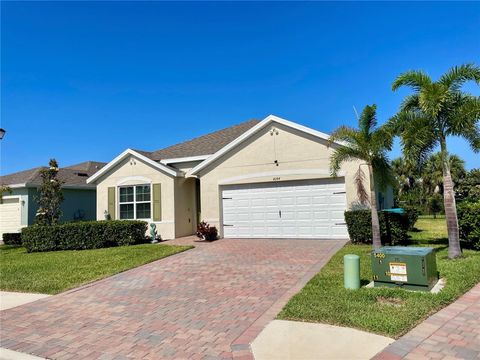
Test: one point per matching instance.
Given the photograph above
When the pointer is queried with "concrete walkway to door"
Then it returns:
(205, 303)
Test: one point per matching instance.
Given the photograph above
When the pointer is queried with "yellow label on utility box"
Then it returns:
(398, 268)
(398, 271)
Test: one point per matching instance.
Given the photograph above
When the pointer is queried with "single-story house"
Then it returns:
(258, 179)
(18, 208)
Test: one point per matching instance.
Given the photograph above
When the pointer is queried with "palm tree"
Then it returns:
(432, 173)
(436, 110)
(404, 174)
(369, 144)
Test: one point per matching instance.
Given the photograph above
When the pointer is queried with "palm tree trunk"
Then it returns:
(454, 249)
(376, 241)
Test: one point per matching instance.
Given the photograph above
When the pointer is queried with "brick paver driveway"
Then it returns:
(451, 334)
(209, 302)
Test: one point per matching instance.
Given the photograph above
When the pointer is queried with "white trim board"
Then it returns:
(142, 179)
(130, 152)
(324, 173)
(184, 159)
(268, 120)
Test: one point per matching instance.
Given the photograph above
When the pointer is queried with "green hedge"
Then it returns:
(469, 222)
(393, 226)
(412, 215)
(83, 235)
(12, 238)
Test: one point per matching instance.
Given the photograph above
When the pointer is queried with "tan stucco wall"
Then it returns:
(185, 208)
(185, 166)
(132, 171)
(299, 155)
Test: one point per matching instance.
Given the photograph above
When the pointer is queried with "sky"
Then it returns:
(86, 80)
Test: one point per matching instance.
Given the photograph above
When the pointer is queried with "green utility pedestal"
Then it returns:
(351, 271)
(412, 268)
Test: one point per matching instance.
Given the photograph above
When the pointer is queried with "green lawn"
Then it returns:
(56, 271)
(390, 312)
(430, 231)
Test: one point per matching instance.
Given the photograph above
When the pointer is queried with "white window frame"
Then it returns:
(134, 202)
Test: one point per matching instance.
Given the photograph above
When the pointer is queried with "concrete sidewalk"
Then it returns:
(6, 354)
(10, 300)
(288, 340)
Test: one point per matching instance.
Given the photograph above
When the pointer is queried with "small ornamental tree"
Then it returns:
(435, 204)
(4, 189)
(50, 195)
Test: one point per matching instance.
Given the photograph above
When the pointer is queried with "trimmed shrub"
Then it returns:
(469, 222)
(393, 227)
(12, 239)
(206, 232)
(83, 235)
(412, 215)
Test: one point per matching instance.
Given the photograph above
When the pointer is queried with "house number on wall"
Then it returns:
(276, 178)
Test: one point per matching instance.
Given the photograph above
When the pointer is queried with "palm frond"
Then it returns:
(458, 75)
(401, 120)
(472, 135)
(464, 120)
(382, 139)
(341, 155)
(433, 98)
(360, 185)
(343, 133)
(418, 136)
(368, 119)
(413, 78)
(410, 103)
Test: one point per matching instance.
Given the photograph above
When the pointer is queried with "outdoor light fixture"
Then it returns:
(2, 133)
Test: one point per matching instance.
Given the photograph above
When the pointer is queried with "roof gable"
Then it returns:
(265, 122)
(129, 152)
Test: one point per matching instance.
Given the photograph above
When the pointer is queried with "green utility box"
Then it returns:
(413, 268)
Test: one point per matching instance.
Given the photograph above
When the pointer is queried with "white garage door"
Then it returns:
(293, 209)
(10, 215)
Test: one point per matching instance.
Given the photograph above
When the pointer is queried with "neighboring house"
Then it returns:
(18, 208)
(263, 179)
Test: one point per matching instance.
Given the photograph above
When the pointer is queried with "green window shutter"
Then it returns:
(111, 202)
(157, 202)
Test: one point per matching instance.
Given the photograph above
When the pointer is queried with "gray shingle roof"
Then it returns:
(73, 175)
(88, 166)
(204, 145)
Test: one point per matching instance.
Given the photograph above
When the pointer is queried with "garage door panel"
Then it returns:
(338, 230)
(287, 215)
(304, 200)
(322, 214)
(320, 200)
(258, 216)
(10, 215)
(271, 202)
(273, 231)
(257, 202)
(338, 214)
(304, 215)
(287, 200)
(300, 209)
